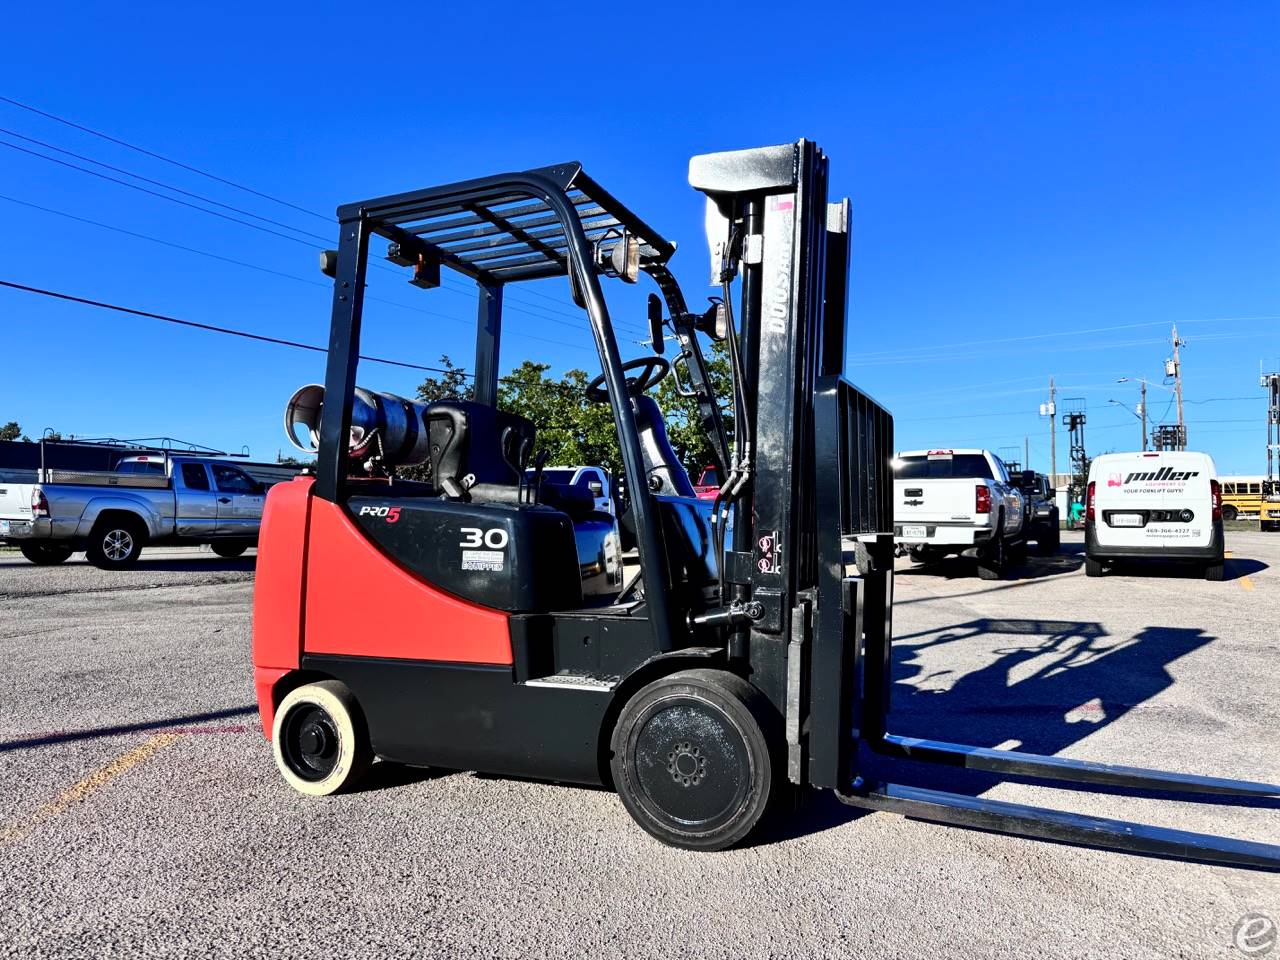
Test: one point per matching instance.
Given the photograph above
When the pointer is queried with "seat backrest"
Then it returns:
(663, 469)
(469, 438)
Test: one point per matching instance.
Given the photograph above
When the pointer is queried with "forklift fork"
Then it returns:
(889, 750)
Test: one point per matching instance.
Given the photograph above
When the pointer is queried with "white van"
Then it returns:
(1165, 505)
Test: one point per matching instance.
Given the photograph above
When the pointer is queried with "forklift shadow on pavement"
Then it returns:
(1072, 679)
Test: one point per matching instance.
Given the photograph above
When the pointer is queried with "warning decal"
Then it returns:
(482, 560)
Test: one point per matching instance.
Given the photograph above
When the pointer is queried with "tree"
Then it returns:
(10, 431)
(451, 385)
(572, 429)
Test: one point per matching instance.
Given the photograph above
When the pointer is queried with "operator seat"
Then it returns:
(476, 443)
(479, 454)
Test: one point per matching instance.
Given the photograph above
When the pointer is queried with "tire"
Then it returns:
(115, 544)
(1215, 571)
(696, 759)
(991, 565)
(1229, 512)
(1092, 568)
(919, 555)
(320, 740)
(229, 551)
(45, 554)
(1050, 542)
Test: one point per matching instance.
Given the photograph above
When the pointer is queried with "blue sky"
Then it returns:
(1038, 190)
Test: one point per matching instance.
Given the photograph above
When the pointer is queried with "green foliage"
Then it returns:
(570, 429)
(451, 385)
(575, 431)
(10, 431)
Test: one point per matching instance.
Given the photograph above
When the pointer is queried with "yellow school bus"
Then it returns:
(1241, 497)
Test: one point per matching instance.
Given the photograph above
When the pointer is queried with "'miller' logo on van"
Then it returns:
(1164, 473)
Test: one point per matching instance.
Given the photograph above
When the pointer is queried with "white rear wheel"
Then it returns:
(319, 739)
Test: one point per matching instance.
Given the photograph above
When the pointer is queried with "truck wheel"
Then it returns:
(320, 740)
(1050, 541)
(114, 544)
(229, 550)
(1092, 568)
(1215, 571)
(1229, 512)
(694, 760)
(992, 562)
(45, 554)
(919, 554)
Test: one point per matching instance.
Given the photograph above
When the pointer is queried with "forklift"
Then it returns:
(480, 619)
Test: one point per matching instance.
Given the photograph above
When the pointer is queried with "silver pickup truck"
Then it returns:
(112, 515)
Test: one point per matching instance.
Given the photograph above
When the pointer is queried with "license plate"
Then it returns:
(1126, 520)
(917, 533)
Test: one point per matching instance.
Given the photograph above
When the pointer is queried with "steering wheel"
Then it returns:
(654, 369)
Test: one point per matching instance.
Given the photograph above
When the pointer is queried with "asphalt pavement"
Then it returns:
(141, 814)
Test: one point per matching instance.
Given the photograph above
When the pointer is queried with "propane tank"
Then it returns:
(383, 426)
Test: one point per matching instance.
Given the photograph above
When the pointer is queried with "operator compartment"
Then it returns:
(477, 528)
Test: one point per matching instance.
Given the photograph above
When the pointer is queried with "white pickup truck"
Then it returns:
(111, 515)
(958, 502)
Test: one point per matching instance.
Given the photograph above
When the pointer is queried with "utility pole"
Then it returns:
(1053, 434)
(1177, 387)
(1026, 453)
(1143, 411)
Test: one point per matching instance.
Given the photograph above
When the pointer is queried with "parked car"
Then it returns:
(958, 502)
(112, 515)
(708, 485)
(595, 479)
(1043, 523)
(1165, 505)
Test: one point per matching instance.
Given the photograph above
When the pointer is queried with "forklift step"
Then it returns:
(999, 816)
(575, 681)
(1035, 766)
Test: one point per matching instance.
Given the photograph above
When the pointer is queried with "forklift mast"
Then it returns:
(821, 483)
(817, 454)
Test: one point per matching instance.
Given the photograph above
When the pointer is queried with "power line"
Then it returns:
(161, 183)
(157, 156)
(276, 273)
(264, 338)
(254, 226)
(162, 196)
(618, 323)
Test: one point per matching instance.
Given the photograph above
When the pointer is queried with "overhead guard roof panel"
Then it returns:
(501, 229)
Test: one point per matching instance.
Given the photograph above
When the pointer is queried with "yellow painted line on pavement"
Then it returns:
(1246, 583)
(14, 832)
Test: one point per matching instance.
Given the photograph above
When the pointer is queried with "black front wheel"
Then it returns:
(45, 554)
(115, 544)
(229, 551)
(695, 759)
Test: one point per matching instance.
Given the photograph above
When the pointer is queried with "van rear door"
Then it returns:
(1154, 500)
